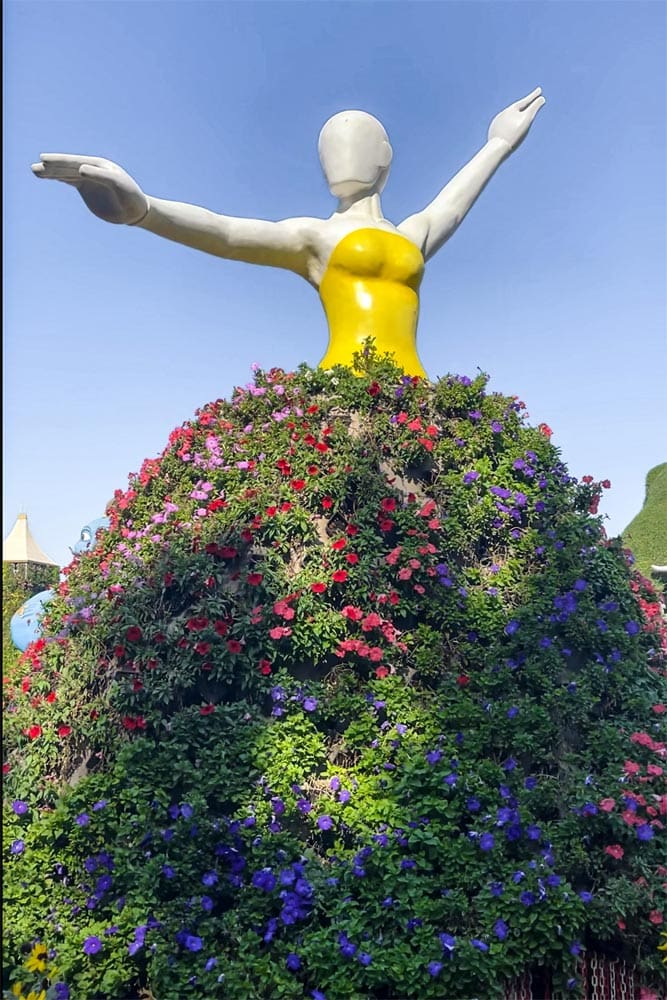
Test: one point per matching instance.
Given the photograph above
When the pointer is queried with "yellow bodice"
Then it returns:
(370, 290)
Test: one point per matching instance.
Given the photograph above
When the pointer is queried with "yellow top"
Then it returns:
(370, 290)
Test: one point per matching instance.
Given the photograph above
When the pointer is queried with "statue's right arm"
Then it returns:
(113, 195)
(256, 241)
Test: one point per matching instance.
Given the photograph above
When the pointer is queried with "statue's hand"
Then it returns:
(107, 189)
(512, 124)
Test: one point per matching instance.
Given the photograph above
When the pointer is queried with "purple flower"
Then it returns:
(264, 880)
(632, 628)
(553, 881)
(486, 841)
(206, 903)
(62, 991)
(408, 863)
(83, 819)
(17, 847)
(92, 945)
(324, 822)
(211, 964)
(480, 945)
(310, 704)
(500, 929)
(344, 795)
(512, 712)
(434, 968)
(470, 477)
(496, 888)
(303, 805)
(364, 958)
(192, 942)
(293, 962)
(527, 898)
(533, 832)
(448, 942)
(509, 764)
(317, 995)
(168, 871)
(473, 804)
(530, 783)
(19, 807)
(102, 804)
(334, 784)
(496, 426)
(209, 878)
(579, 585)
(586, 897)
(512, 627)
(347, 948)
(645, 831)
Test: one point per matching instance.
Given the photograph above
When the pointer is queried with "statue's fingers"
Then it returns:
(523, 103)
(48, 171)
(72, 159)
(534, 108)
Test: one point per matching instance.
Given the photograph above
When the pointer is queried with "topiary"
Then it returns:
(354, 699)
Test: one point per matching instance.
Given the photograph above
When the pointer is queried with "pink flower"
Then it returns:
(280, 632)
(614, 851)
(631, 767)
(607, 805)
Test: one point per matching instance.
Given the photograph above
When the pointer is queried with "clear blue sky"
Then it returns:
(555, 283)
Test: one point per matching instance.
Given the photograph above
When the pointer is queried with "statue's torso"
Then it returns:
(369, 289)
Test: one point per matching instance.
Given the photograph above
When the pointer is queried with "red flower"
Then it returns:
(133, 633)
(221, 628)
(381, 672)
(614, 851)
(264, 667)
(254, 579)
(415, 425)
(545, 429)
(463, 680)
(374, 389)
(234, 646)
(327, 503)
(33, 733)
(197, 624)
(280, 632)
(388, 504)
(206, 709)
(352, 558)
(51, 697)
(339, 544)
(284, 507)
(340, 576)
(298, 484)
(318, 588)
(203, 648)
(64, 731)
(655, 916)
(659, 709)
(427, 509)
(312, 470)
(271, 511)
(354, 614)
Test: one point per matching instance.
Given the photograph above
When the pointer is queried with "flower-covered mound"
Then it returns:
(353, 700)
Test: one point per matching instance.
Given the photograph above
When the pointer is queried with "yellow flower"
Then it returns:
(663, 946)
(36, 996)
(36, 961)
(17, 990)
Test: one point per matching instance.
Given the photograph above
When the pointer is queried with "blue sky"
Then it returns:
(554, 284)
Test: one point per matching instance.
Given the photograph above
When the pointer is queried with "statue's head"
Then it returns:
(355, 154)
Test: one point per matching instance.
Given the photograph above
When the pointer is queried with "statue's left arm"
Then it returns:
(433, 226)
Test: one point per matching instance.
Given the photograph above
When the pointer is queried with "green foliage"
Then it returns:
(352, 697)
(646, 535)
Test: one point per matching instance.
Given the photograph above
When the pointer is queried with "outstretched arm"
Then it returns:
(433, 226)
(112, 195)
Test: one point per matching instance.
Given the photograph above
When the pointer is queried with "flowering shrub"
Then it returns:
(354, 699)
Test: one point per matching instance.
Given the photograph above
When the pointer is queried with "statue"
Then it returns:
(366, 270)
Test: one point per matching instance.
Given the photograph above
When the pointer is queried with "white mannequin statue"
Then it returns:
(366, 270)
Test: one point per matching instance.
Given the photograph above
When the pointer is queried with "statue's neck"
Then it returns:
(366, 206)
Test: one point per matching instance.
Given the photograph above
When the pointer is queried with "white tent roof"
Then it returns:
(20, 547)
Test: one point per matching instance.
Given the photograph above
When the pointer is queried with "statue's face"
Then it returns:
(355, 154)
